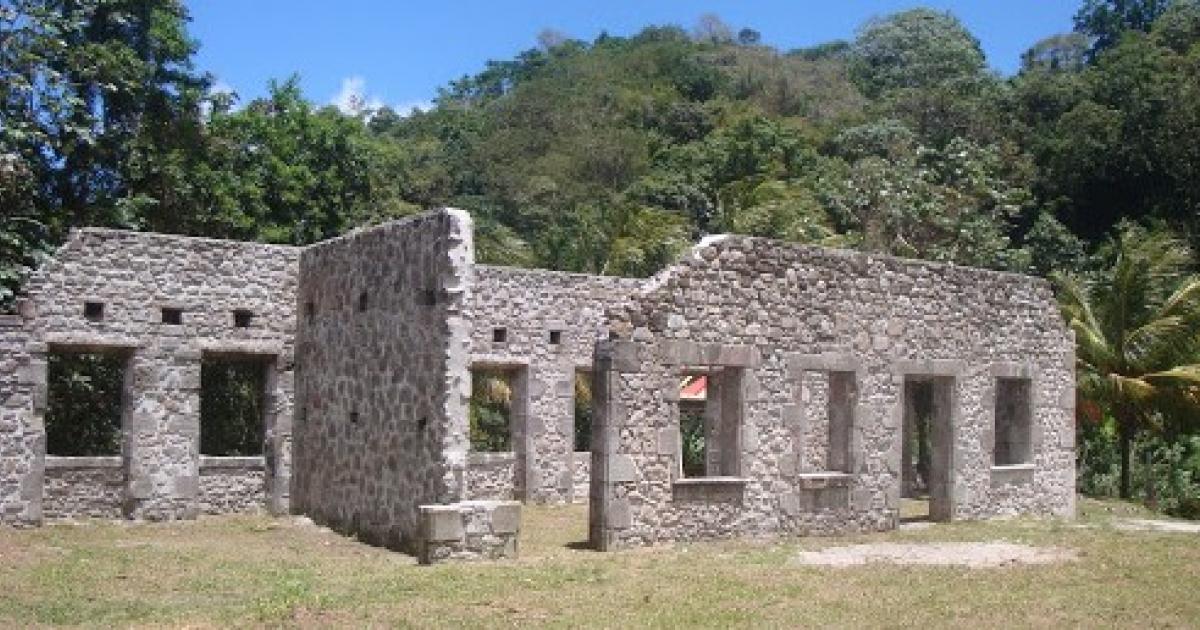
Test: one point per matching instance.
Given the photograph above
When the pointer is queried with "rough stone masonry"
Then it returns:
(819, 363)
(822, 361)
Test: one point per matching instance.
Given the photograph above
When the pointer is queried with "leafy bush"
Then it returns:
(1165, 473)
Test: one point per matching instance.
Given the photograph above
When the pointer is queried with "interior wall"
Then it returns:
(384, 383)
(529, 305)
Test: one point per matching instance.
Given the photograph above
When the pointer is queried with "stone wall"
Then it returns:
(22, 437)
(384, 385)
(491, 475)
(131, 279)
(232, 484)
(551, 321)
(777, 312)
(582, 465)
(808, 350)
(83, 487)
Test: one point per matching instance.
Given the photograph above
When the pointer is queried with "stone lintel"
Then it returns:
(824, 362)
(823, 479)
(475, 458)
(709, 490)
(91, 342)
(685, 353)
(234, 348)
(930, 367)
(1012, 369)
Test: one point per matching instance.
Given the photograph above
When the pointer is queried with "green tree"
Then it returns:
(1137, 330)
(1106, 140)
(80, 81)
(919, 48)
(898, 196)
(283, 171)
(1105, 21)
(926, 69)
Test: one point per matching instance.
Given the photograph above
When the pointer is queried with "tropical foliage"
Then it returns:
(1137, 327)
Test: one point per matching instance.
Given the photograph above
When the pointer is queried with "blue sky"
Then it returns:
(398, 53)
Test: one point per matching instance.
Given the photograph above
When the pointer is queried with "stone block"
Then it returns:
(738, 356)
(787, 464)
(1066, 439)
(621, 469)
(617, 514)
(506, 518)
(860, 499)
(185, 486)
(668, 441)
(566, 481)
(789, 503)
(709, 490)
(626, 356)
(442, 523)
(750, 442)
(680, 352)
(141, 488)
(793, 415)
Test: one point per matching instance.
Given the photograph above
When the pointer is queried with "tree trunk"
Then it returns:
(1125, 432)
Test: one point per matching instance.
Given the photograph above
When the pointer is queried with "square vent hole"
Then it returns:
(242, 318)
(172, 316)
(93, 311)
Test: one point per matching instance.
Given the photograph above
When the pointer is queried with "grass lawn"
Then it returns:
(255, 570)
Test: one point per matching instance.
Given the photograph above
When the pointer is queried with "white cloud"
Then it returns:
(408, 108)
(353, 98)
(220, 87)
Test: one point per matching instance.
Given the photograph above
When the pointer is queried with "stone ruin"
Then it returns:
(835, 383)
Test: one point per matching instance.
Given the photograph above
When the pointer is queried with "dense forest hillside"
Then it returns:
(611, 156)
(614, 155)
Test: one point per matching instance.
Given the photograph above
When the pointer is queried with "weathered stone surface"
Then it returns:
(491, 476)
(807, 313)
(134, 275)
(381, 373)
(83, 487)
(232, 484)
(531, 305)
(469, 530)
(442, 523)
(373, 335)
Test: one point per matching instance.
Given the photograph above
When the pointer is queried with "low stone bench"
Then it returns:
(469, 530)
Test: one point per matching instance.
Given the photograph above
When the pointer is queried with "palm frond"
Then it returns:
(1155, 338)
(1178, 376)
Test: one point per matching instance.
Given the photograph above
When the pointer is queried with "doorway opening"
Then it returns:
(926, 458)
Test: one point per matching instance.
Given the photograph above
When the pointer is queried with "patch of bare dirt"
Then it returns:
(1155, 525)
(969, 554)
